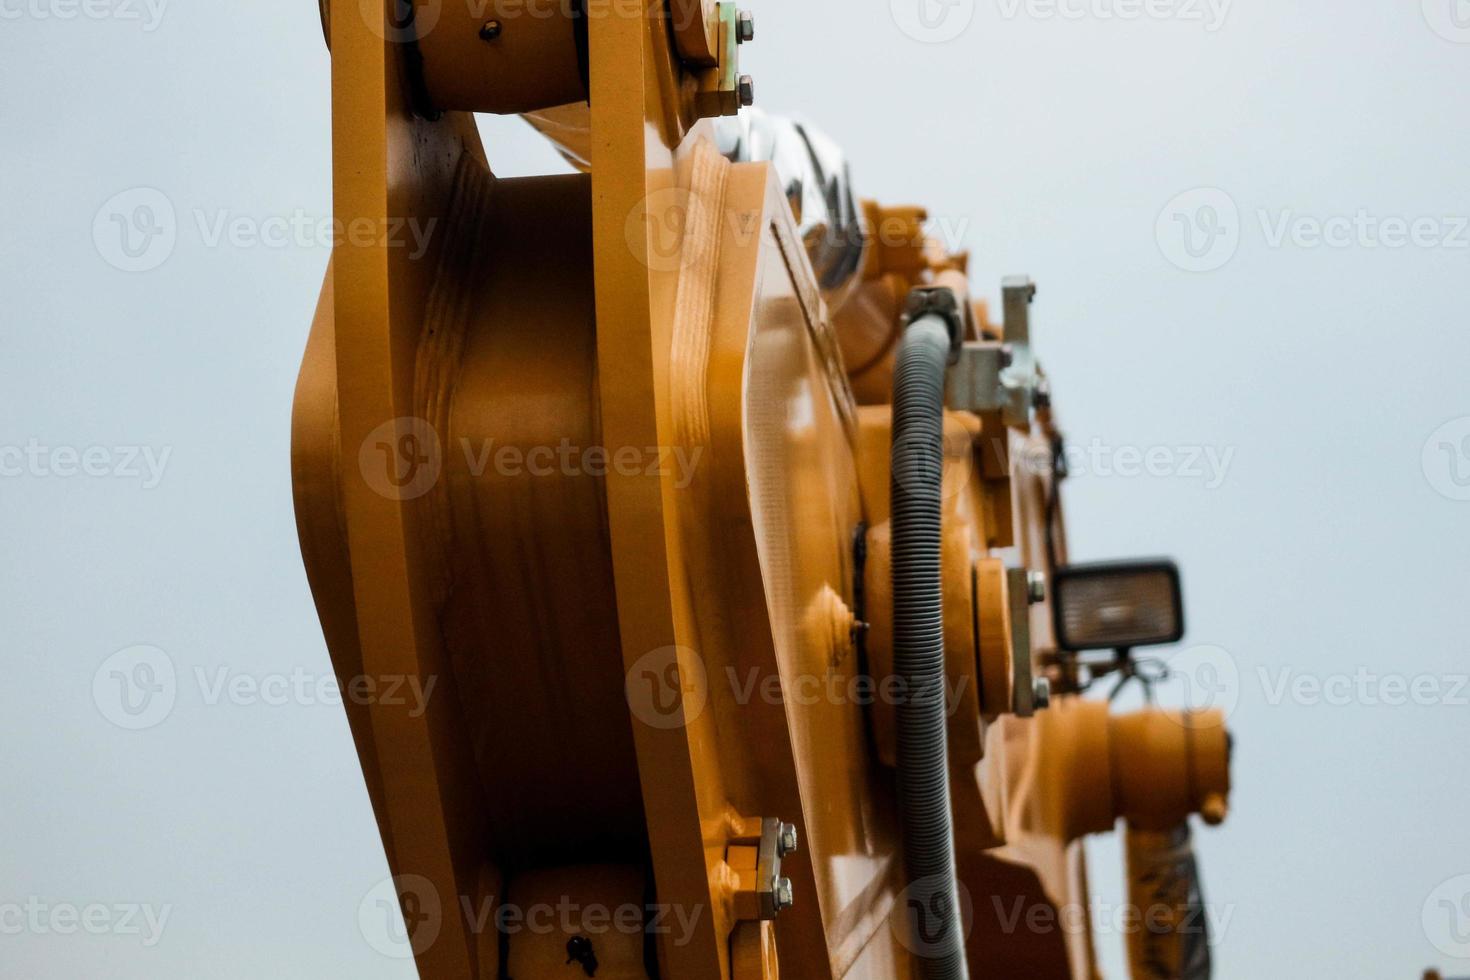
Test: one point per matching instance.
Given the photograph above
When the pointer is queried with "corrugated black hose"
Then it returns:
(933, 911)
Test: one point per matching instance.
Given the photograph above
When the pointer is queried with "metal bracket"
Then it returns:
(722, 89)
(991, 376)
(763, 892)
(1030, 694)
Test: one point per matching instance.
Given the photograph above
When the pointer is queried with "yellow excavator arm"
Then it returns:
(724, 525)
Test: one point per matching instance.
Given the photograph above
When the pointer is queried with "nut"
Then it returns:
(1036, 587)
(1041, 694)
(787, 842)
(747, 91)
(785, 897)
(745, 27)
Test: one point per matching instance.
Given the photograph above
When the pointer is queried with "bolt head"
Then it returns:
(1036, 587)
(787, 842)
(491, 30)
(1041, 694)
(785, 895)
(745, 27)
(747, 91)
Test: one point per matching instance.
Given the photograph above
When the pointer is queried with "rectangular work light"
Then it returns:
(1118, 605)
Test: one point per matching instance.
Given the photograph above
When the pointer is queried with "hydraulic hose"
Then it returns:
(932, 896)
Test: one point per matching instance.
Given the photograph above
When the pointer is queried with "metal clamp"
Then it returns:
(942, 302)
(1000, 376)
(774, 891)
(762, 891)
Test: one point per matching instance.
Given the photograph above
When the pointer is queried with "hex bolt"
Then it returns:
(745, 27)
(785, 897)
(1036, 587)
(491, 30)
(1041, 694)
(747, 91)
(787, 842)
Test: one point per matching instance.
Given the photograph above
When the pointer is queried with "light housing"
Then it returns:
(1118, 605)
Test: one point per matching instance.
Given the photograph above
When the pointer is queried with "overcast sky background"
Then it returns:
(1072, 143)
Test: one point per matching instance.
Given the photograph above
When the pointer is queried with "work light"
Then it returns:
(1117, 605)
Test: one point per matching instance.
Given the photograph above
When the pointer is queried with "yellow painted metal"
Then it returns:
(499, 57)
(590, 468)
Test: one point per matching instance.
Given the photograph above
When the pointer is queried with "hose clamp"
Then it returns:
(940, 301)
